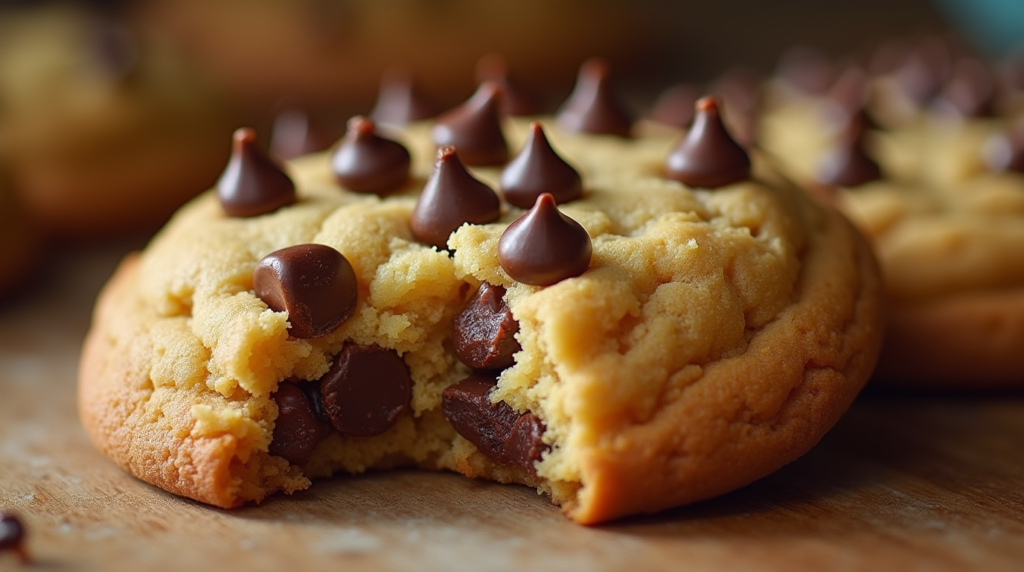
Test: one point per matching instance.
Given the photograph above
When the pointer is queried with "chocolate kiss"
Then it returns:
(314, 283)
(591, 107)
(474, 128)
(365, 162)
(515, 101)
(450, 198)
(537, 170)
(708, 157)
(253, 184)
(675, 106)
(400, 100)
(848, 164)
(544, 246)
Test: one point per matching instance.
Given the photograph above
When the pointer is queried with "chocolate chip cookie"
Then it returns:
(625, 323)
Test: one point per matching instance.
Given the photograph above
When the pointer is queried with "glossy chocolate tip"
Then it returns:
(591, 107)
(515, 101)
(708, 156)
(365, 162)
(253, 184)
(538, 169)
(847, 164)
(313, 283)
(475, 128)
(544, 247)
(451, 197)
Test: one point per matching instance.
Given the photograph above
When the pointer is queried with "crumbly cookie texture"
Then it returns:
(716, 336)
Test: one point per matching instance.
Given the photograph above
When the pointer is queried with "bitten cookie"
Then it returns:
(626, 324)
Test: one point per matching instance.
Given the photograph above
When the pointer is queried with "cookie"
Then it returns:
(941, 197)
(105, 128)
(664, 320)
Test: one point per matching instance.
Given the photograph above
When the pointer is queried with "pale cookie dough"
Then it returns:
(716, 336)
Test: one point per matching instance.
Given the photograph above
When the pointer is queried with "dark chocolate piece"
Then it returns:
(538, 169)
(496, 429)
(299, 427)
(365, 162)
(969, 93)
(400, 100)
(515, 101)
(708, 157)
(12, 536)
(1005, 151)
(591, 107)
(450, 198)
(296, 134)
(314, 283)
(366, 391)
(253, 184)
(474, 128)
(544, 246)
(806, 70)
(847, 164)
(484, 331)
(674, 106)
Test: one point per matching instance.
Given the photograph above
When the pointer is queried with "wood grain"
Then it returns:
(905, 482)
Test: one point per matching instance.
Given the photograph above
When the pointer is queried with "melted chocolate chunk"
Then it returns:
(496, 429)
(366, 391)
(252, 184)
(474, 128)
(537, 170)
(400, 100)
(365, 162)
(847, 164)
(450, 198)
(299, 426)
(484, 331)
(12, 536)
(708, 157)
(969, 93)
(591, 107)
(296, 134)
(544, 246)
(515, 101)
(806, 70)
(1005, 151)
(314, 283)
(674, 106)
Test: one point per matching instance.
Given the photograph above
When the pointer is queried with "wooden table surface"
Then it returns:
(904, 482)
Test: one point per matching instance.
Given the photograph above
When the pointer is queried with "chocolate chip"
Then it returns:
(544, 246)
(296, 134)
(674, 106)
(847, 164)
(484, 331)
(474, 128)
(806, 70)
(252, 184)
(515, 101)
(591, 107)
(299, 428)
(314, 283)
(538, 169)
(1005, 151)
(366, 391)
(365, 162)
(12, 536)
(450, 198)
(400, 100)
(845, 107)
(708, 157)
(969, 93)
(496, 429)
